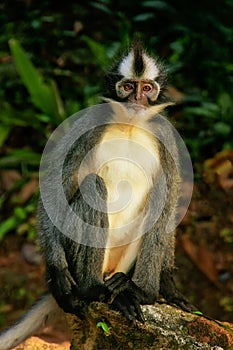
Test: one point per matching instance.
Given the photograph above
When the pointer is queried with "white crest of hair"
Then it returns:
(151, 70)
(126, 66)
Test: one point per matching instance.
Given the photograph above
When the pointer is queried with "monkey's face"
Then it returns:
(141, 92)
(137, 78)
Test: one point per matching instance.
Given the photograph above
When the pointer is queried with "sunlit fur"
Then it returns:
(130, 162)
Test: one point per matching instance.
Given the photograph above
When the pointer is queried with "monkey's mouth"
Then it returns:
(136, 107)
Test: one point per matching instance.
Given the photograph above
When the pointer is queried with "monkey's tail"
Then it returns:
(35, 319)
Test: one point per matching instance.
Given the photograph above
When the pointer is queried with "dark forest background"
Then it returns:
(53, 56)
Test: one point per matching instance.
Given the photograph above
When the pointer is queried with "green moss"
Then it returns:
(149, 339)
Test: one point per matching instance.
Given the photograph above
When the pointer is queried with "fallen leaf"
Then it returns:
(8, 179)
(202, 258)
(219, 170)
(28, 190)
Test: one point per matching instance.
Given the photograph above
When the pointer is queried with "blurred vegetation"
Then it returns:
(53, 57)
(52, 60)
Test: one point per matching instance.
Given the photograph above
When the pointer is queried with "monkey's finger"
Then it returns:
(139, 313)
(122, 304)
(135, 306)
(130, 308)
(116, 280)
(118, 283)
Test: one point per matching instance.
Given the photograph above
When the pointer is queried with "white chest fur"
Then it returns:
(127, 159)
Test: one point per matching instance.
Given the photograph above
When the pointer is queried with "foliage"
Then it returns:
(54, 55)
(43, 95)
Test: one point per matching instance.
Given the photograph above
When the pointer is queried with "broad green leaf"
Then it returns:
(20, 156)
(43, 95)
(144, 17)
(222, 128)
(101, 7)
(20, 213)
(208, 110)
(99, 51)
(7, 226)
(160, 5)
(11, 117)
(4, 132)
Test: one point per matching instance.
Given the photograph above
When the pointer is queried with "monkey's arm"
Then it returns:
(59, 279)
(74, 270)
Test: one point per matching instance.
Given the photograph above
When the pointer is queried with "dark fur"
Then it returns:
(74, 271)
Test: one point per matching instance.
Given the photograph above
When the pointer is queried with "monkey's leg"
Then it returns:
(170, 292)
(168, 288)
(125, 296)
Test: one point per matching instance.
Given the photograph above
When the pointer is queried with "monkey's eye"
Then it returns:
(147, 88)
(128, 87)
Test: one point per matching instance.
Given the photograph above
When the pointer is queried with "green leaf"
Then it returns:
(222, 128)
(20, 156)
(10, 117)
(197, 313)
(160, 5)
(101, 7)
(43, 95)
(20, 213)
(4, 132)
(208, 110)
(104, 327)
(144, 17)
(226, 104)
(99, 51)
(7, 226)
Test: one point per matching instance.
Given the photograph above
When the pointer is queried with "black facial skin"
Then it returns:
(114, 79)
(138, 91)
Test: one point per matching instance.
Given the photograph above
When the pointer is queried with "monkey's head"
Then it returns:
(137, 78)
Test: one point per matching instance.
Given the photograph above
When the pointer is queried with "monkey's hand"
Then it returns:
(63, 287)
(125, 296)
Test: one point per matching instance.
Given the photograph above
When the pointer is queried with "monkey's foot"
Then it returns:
(125, 297)
(179, 300)
(173, 297)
